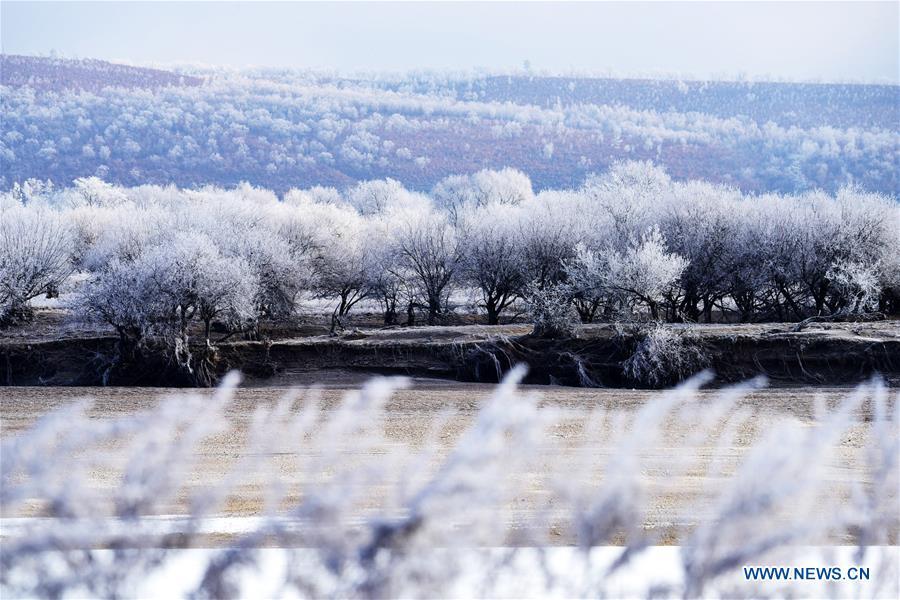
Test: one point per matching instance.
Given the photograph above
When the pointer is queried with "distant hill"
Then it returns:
(297, 128)
(798, 104)
(54, 74)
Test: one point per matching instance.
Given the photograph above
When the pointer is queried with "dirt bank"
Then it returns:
(819, 354)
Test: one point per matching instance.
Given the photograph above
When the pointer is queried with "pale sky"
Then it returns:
(831, 41)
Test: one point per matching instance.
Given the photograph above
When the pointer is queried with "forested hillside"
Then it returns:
(282, 129)
(61, 75)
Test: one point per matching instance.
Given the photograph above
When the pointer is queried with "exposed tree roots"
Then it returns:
(840, 318)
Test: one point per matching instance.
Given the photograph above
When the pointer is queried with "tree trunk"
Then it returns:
(493, 315)
(434, 308)
(654, 310)
(707, 310)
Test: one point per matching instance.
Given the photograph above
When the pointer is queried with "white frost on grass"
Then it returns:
(375, 518)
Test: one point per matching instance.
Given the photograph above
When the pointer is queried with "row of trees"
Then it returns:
(630, 243)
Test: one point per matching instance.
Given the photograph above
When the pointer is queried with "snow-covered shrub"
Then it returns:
(664, 356)
(550, 310)
(856, 286)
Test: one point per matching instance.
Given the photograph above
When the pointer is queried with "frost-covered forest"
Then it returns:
(280, 129)
(178, 208)
(157, 263)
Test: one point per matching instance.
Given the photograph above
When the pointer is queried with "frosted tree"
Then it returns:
(281, 270)
(31, 189)
(890, 276)
(630, 194)
(428, 251)
(645, 271)
(159, 295)
(226, 292)
(121, 295)
(506, 186)
(378, 196)
(192, 280)
(855, 286)
(343, 266)
(630, 239)
(549, 233)
(391, 283)
(867, 236)
(124, 233)
(314, 195)
(699, 224)
(93, 191)
(35, 256)
(491, 256)
(588, 274)
(746, 279)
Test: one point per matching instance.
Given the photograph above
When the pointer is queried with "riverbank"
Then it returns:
(820, 353)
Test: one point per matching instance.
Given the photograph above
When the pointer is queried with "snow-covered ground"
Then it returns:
(562, 572)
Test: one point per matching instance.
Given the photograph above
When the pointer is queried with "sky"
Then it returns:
(830, 41)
